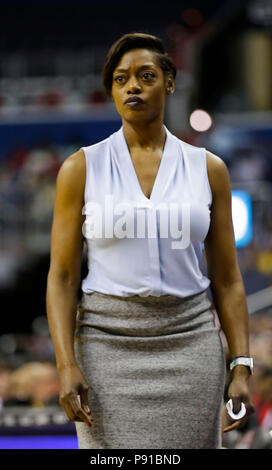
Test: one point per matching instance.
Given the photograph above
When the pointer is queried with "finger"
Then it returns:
(234, 425)
(236, 402)
(65, 404)
(71, 405)
(79, 413)
(84, 399)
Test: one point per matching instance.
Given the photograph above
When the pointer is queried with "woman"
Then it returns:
(142, 365)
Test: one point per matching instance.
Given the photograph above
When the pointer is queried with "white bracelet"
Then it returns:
(242, 361)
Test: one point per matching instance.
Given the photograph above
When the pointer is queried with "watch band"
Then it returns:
(243, 361)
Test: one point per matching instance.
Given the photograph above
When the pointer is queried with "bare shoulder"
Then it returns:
(218, 173)
(72, 175)
(73, 166)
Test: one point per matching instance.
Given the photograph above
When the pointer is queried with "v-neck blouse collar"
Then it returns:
(124, 155)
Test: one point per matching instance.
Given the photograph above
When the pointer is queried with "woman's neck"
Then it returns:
(143, 135)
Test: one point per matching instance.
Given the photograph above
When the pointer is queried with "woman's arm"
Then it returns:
(227, 285)
(63, 282)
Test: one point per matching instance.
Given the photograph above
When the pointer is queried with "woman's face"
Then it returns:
(138, 75)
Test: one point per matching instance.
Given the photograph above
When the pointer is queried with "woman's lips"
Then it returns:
(133, 103)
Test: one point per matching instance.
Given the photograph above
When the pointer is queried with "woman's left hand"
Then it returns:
(239, 392)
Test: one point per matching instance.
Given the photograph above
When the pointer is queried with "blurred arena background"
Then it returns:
(52, 103)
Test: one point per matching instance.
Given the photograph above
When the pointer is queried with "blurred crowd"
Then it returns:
(60, 95)
(27, 194)
(261, 349)
(27, 178)
(257, 431)
(34, 384)
(250, 163)
(28, 374)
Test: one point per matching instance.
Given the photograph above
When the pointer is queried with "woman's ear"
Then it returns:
(170, 86)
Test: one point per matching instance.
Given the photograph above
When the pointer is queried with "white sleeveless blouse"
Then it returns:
(145, 246)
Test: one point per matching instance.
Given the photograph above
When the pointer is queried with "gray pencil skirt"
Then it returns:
(156, 372)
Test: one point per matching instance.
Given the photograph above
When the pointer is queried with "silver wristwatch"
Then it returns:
(242, 361)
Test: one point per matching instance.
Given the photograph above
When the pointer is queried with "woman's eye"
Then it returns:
(122, 78)
(119, 78)
(148, 75)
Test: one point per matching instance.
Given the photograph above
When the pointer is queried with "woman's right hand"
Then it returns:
(73, 396)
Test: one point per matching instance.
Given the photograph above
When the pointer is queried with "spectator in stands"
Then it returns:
(35, 383)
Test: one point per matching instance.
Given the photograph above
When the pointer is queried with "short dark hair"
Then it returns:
(134, 41)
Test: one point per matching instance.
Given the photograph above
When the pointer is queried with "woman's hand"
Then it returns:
(239, 392)
(73, 396)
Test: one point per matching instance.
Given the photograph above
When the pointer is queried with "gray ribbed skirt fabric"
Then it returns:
(156, 372)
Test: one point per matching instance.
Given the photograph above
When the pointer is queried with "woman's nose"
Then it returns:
(133, 85)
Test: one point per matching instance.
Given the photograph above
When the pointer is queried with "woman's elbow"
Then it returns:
(61, 275)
